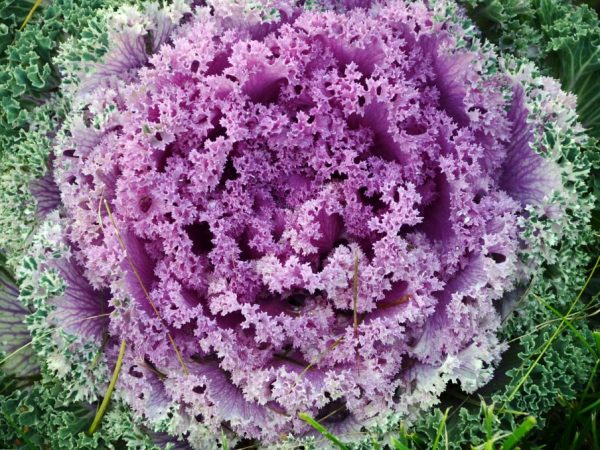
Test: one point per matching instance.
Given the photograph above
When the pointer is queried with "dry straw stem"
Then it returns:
(341, 339)
(137, 275)
(317, 360)
(355, 294)
(356, 321)
(30, 15)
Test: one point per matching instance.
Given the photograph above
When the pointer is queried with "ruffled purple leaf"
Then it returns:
(450, 77)
(81, 310)
(46, 193)
(131, 49)
(526, 175)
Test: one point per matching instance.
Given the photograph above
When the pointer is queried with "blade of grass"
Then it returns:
(100, 350)
(582, 315)
(10, 386)
(357, 322)
(332, 413)
(580, 437)
(440, 430)
(568, 323)
(324, 431)
(521, 299)
(593, 406)
(398, 445)
(375, 444)
(589, 384)
(573, 416)
(594, 429)
(312, 364)
(30, 15)
(109, 391)
(224, 442)
(575, 442)
(518, 435)
(404, 439)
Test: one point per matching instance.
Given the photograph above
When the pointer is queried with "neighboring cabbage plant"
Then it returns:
(329, 209)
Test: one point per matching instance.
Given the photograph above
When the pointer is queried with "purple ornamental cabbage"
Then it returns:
(324, 211)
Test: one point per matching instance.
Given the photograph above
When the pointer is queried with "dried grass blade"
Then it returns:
(30, 14)
(139, 278)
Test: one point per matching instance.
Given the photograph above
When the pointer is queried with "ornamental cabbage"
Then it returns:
(325, 209)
